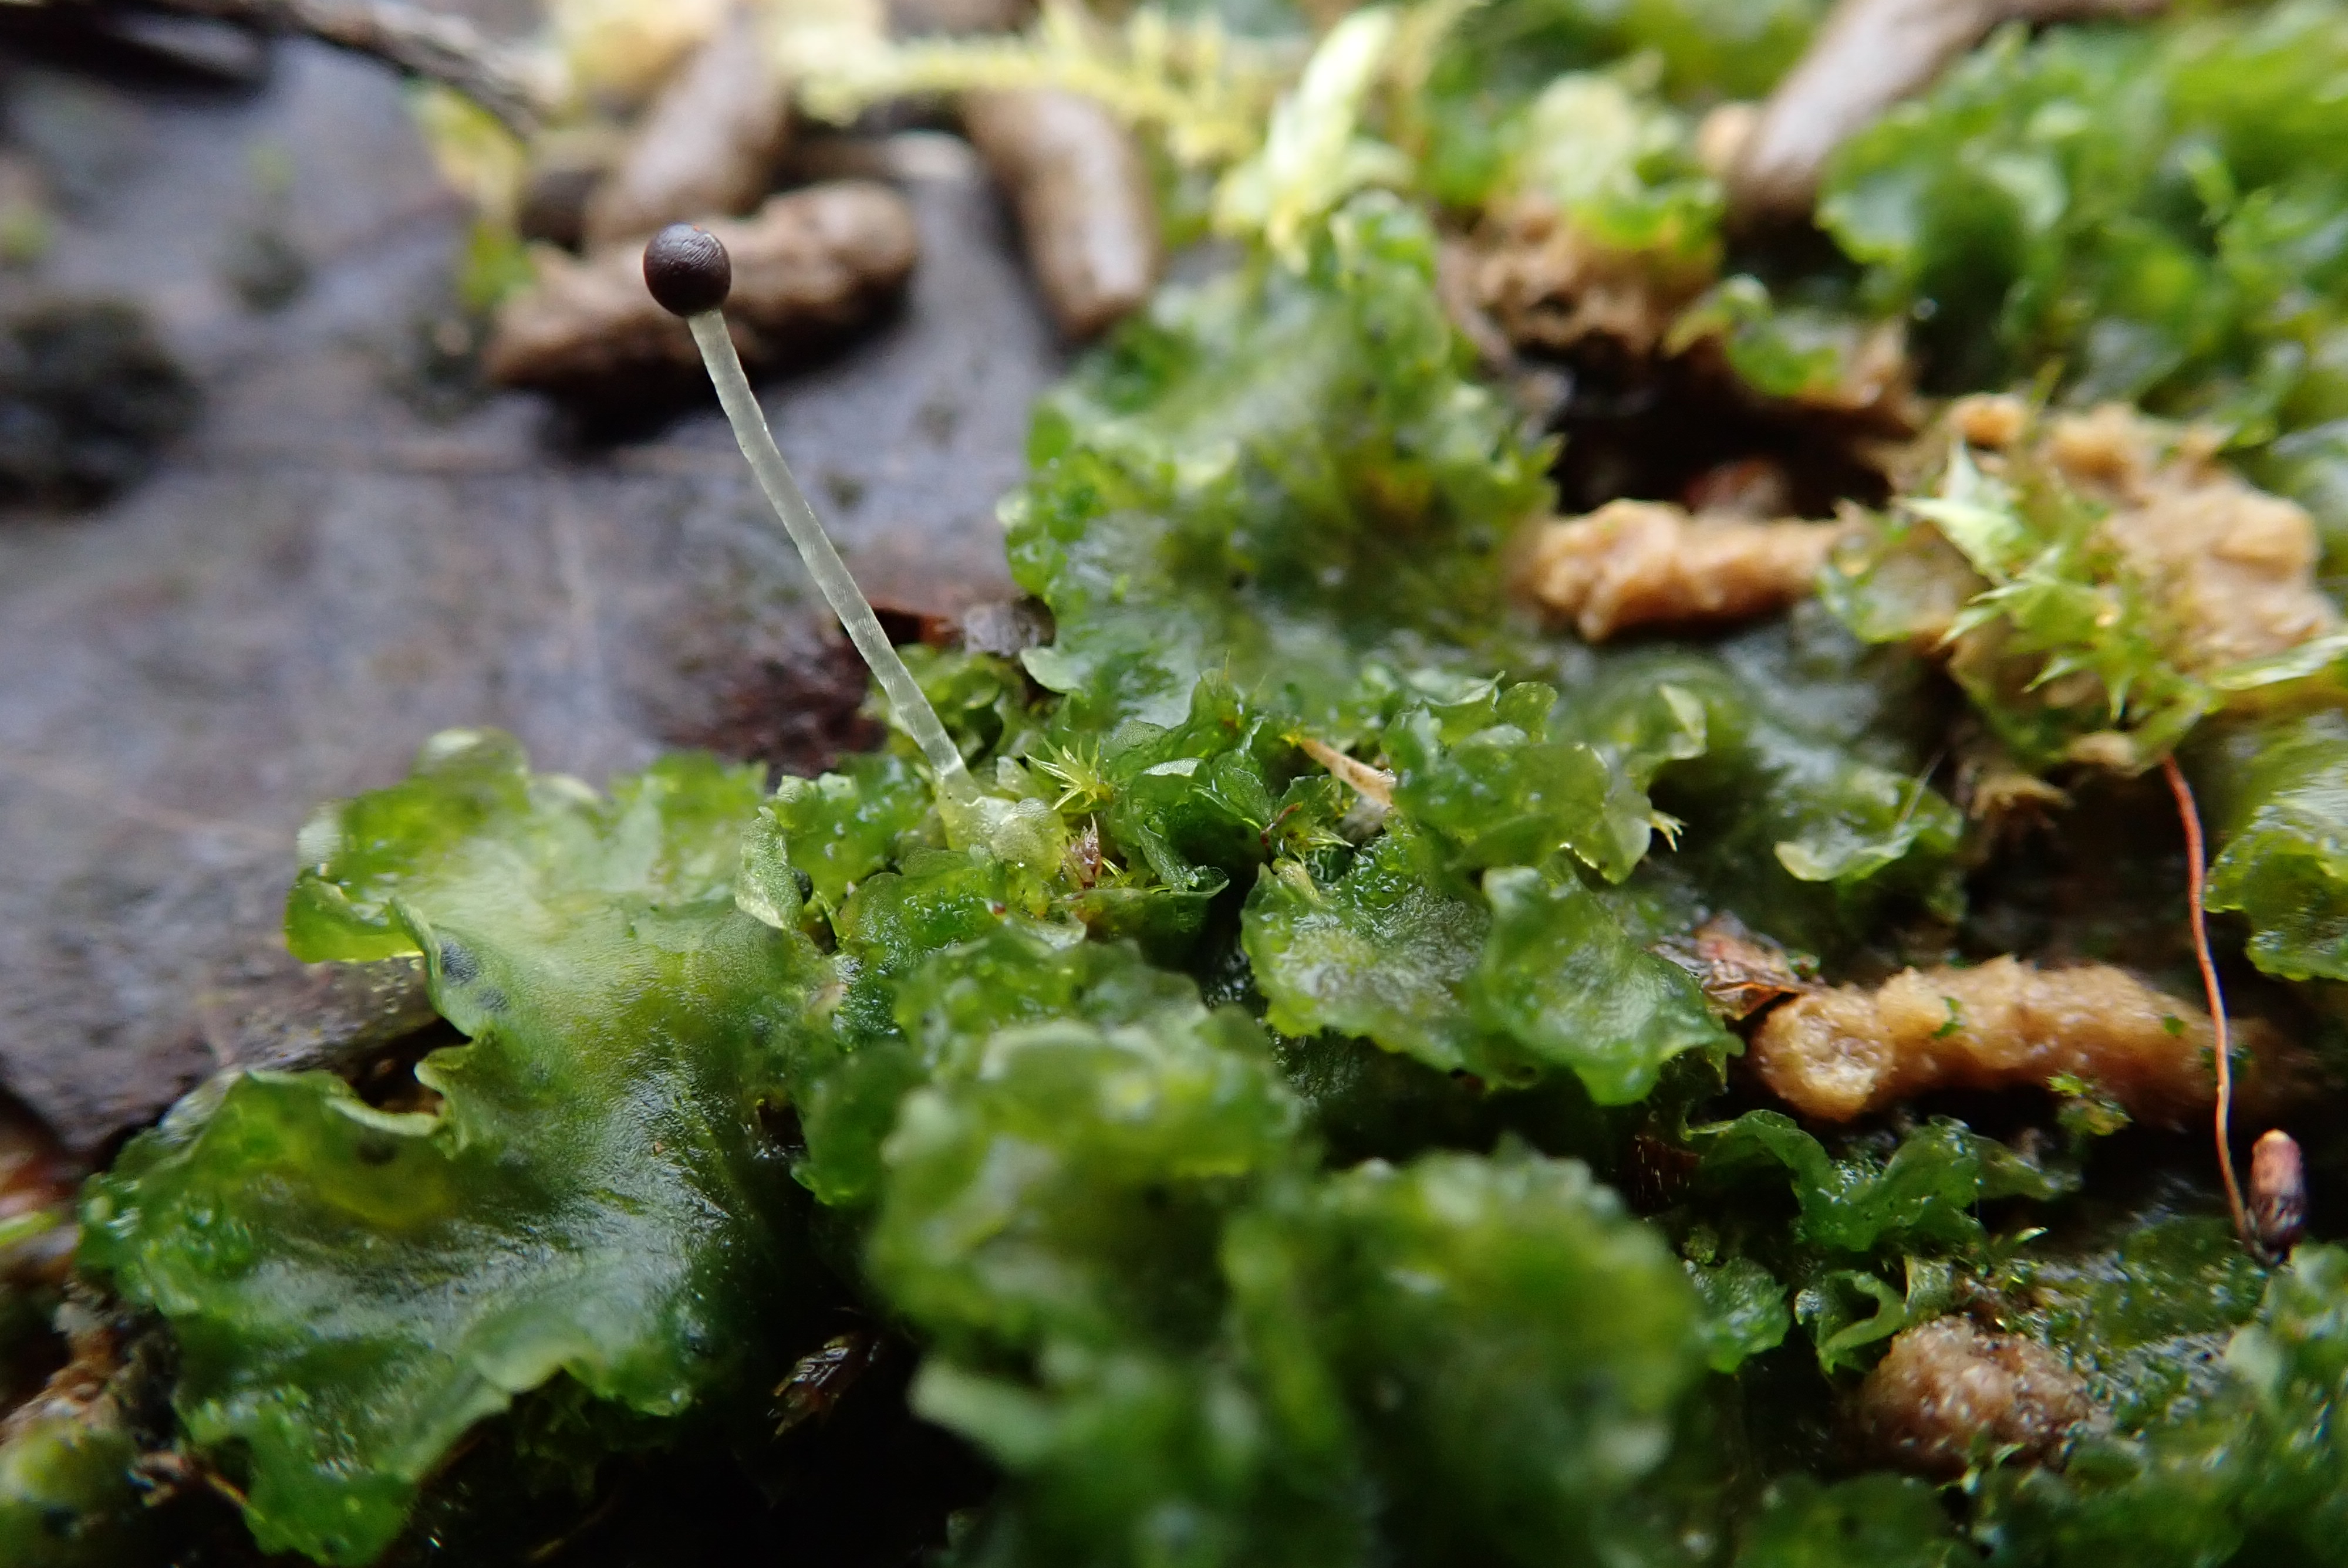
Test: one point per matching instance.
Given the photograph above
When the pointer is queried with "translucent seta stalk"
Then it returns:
(831, 575)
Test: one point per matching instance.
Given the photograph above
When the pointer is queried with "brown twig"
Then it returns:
(2196, 860)
(445, 49)
(1866, 56)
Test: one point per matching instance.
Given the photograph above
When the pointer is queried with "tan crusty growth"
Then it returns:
(2232, 566)
(1838, 1053)
(1642, 563)
(810, 264)
(1949, 1394)
(1550, 286)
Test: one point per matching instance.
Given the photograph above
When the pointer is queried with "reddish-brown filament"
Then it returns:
(2196, 860)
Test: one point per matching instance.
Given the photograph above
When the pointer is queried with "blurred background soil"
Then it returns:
(350, 545)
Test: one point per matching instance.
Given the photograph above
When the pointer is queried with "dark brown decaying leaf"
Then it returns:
(1740, 970)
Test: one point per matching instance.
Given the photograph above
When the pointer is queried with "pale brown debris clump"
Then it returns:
(1086, 212)
(1948, 1395)
(709, 143)
(1640, 563)
(2233, 566)
(1838, 1053)
(1550, 286)
(811, 264)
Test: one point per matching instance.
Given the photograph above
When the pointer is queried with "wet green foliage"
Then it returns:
(1483, 86)
(2250, 1473)
(1280, 1159)
(1809, 353)
(2281, 797)
(2156, 211)
(1276, 476)
(1877, 1233)
(66, 1495)
(2146, 1315)
(1870, 1522)
(588, 1191)
(2058, 643)
(1534, 975)
(1922, 1198)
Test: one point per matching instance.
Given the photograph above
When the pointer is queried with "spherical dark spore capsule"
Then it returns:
(688, 270)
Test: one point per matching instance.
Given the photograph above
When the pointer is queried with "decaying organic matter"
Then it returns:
(2097, 583)
(708, 146)
(1642, 563)
(1844, 1051)
(1949, 1395)
(813, 264)
(1870, 55)
(1741, 972)
(2234, 567)
(1086, 212)
(1551, 286)
(36, 1188)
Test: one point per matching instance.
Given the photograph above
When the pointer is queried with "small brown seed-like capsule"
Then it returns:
(688, 270)
(2278, 1192)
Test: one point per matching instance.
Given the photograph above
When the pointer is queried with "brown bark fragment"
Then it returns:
(1086, 212)
(708, 145)
(811, 266)
(1839, 1054)
(1640, 563)
(1949, 1394)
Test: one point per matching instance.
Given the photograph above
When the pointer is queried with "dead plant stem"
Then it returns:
(2196, 861)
